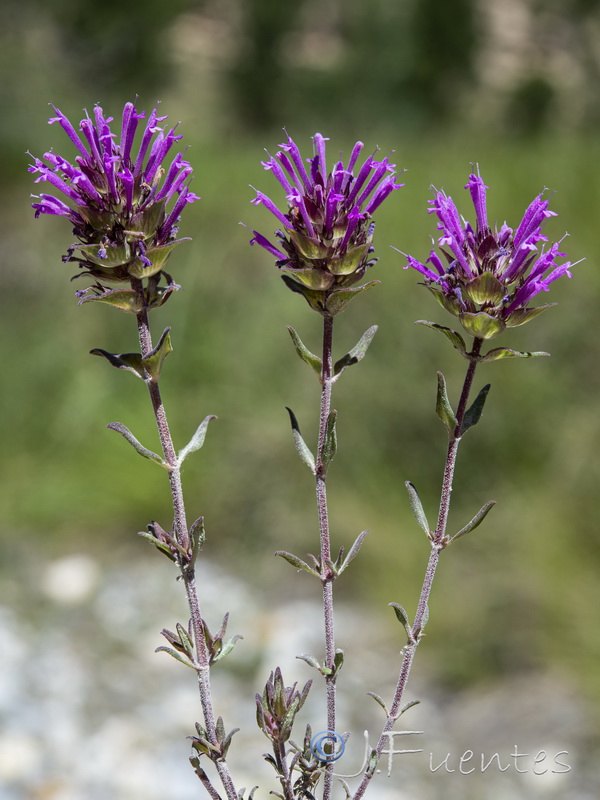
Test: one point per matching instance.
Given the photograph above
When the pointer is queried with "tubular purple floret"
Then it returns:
(69, 130)
(291, 148)
(478, 194)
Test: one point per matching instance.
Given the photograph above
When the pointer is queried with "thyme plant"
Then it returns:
(125, 203)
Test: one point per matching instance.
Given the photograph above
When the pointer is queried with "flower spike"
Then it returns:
(124, 209)
(490, 276)
(325, 240)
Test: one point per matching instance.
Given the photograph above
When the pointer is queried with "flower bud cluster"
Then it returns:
(277, 707)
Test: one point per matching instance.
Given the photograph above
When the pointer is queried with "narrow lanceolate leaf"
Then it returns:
(443, 407)
(310, 660)
(132, 362)
(177, 656)
(310, 358)
(301, 446)
(353, 552)
(378, 700)
(410, 704)
(476, 521)
(196, 441)
(454, 337)
(357, 353)
(139, 448)
(506, 352)
(417, 508)
(154, 360)
(473, 415)
(296, 562)
(330, 442)
(227, 648)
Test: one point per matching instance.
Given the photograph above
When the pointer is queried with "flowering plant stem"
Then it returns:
(181, 534)
(439, 541)
(327, 575)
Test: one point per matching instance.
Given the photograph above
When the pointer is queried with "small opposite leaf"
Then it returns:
(132, 362)
(227, 648)
(417, 507)
(443, 407)
(196, 441)
(378, 699)
(473, 415)
(143, 451)
(310, 660)
(301, 446)
(154, 360)
(330, 442)
(454, 337)
(357, 353)
(476, 521)
(410, 704)
(353, 552)
(506, 352)
(177, 656)
(310, 358)
(403, 619)
(338, 301)
(296, 562)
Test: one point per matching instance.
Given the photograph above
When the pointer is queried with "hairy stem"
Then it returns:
(327, 576)
(284, 771)
(437, 545)
(180, 530)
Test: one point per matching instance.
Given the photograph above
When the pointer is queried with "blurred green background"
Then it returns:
(511, 85)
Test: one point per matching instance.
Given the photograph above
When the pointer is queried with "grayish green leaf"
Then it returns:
(330, 442)
(506, 352)
(301, 446)
(476, 521)
(443, 407)
(339, 300)
(357, 353)
(196, 441)
(473, 415)
(154, 360)
(177, 656)
(139, 448)
(227, 648)
(310, 358)
(378, 700)
(353, 552)
(417, 507)
(310, 660)
(403, 619)
(454, 337)
(296, 562)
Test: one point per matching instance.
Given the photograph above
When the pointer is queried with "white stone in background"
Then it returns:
(20, 755)
(70, 580)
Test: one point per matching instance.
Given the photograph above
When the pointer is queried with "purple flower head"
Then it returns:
(487, 277)
(324, 242)
(124, 202)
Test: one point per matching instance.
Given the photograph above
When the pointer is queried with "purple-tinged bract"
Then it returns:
(324, 242)
(124, 202)
(488, 277)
